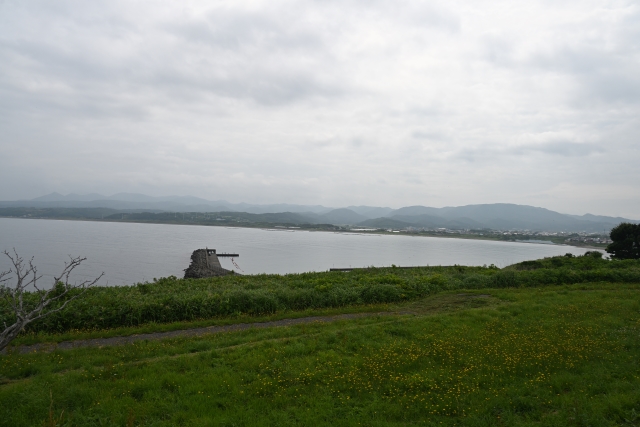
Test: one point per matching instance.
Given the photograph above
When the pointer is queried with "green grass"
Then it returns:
(30, 338)
(565, 355)
(171, 300)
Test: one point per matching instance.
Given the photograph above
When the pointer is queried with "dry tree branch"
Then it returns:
(26, 276)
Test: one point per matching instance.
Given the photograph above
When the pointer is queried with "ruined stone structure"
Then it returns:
(205, 263)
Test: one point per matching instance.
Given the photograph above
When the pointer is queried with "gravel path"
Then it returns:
(101, 342)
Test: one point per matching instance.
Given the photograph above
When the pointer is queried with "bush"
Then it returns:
(171, 299)
(625, 241)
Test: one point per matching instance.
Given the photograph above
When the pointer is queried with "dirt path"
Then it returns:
(101, 342)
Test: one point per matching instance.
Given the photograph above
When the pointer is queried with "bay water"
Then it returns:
(129, 253)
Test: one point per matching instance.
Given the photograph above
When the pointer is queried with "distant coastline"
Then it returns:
(496, 236)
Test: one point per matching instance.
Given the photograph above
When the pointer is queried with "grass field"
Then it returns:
(561, 355)
(170, 300)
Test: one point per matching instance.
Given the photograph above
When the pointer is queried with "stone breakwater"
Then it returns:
(204, 265)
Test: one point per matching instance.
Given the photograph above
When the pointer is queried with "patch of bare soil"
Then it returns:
(432, 305)
(101, 342)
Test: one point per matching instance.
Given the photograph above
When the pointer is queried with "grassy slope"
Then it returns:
(557, 356)
(172, 300)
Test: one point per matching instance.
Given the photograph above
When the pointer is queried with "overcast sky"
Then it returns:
(392, 103)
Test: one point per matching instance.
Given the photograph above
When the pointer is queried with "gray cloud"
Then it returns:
(601, 75)
(553, 148)
(334, 102)
(560, 148)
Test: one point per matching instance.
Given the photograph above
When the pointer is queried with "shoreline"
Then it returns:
(341, 231)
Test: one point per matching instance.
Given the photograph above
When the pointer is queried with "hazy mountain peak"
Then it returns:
(342, 216)
(491, 215)
(57, 197)
(50, 197)
(370, 211)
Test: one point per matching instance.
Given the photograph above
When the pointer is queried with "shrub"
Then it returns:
(170, 299)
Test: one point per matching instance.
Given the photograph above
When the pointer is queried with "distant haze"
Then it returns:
(497, 216)
(335, 103)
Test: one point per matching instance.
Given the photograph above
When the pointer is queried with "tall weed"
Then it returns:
(171, 299)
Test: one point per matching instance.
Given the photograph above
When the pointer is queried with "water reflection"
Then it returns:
(130, 253)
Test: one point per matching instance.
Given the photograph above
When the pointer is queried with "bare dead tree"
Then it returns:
(26, 277)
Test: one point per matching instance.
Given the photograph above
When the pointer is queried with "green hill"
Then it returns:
(551, 342)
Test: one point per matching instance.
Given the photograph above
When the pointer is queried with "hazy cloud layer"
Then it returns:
(325, 102)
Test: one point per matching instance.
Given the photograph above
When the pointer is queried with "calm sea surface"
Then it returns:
(131, 253)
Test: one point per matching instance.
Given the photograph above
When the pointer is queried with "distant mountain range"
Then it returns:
(497, 216)
(124, 201)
